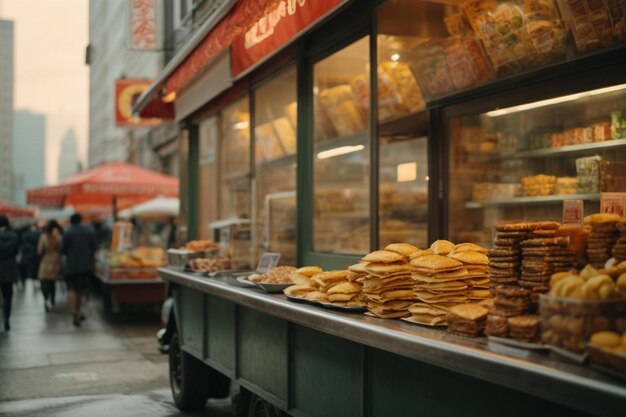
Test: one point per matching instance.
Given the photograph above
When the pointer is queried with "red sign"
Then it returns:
(143, 25)
(126, 93)
(277, 26)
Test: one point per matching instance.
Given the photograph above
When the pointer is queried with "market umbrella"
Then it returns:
(12, 211)
(113, 184)
(159, 206)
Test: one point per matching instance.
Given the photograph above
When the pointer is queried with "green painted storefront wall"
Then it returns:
(326, 375)
(220, 333)
(405, 387)
(313, 374)
(262, 352)
(190, 307)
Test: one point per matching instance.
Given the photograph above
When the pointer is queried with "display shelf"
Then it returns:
(280, 161)
(561, 150)
(235, 175)
(413, 123)
(548, 199)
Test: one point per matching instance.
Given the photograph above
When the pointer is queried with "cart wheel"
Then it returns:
(261, 408)
(188, 378)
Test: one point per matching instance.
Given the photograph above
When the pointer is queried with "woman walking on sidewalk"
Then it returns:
(49, 248)
(9, 272)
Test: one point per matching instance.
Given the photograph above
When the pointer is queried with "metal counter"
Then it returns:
(538, 374)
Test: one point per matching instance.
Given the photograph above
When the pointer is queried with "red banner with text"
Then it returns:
(277, 26)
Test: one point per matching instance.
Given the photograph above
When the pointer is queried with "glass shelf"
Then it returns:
(547, 199)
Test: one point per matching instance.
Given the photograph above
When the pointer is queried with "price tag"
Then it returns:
(613, 203)
(573, 212)
(268, 261)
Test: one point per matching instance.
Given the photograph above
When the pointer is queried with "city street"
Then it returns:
(108, 366)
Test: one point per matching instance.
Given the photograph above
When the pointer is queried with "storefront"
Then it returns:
(400, 121)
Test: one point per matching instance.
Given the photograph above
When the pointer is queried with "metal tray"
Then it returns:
(518, 344)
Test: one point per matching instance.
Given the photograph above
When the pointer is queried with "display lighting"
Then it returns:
(241, 125)
(406, 172)
(342, 150)
(556, 100)
(395, 57)
(169, 98)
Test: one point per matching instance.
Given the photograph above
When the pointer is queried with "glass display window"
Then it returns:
(275, 127)
(341, 151)
(234, 147)
(523, 161)
(451, 46)
(207, 172)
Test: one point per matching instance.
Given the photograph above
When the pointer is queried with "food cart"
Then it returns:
(410, 121)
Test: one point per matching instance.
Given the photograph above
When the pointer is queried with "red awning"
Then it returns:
(128, 184)
(253, 29)
(12, 211)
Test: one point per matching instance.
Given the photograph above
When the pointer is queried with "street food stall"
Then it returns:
(126, 268)
(440, 171)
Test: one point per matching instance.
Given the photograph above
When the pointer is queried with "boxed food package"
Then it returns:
(612, 176)
(594, 24)
(342, 109)
(538, 185)
(566, 185)
(588, 174)
(410, 95)
(568, 323)
(516, 35)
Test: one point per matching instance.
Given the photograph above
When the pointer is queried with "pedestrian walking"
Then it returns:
(49, 249)
(9, 272)
(79, 248)
(29, 259)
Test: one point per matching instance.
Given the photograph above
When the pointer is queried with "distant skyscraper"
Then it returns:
(6, 108)
(68, 156)
(29, 150)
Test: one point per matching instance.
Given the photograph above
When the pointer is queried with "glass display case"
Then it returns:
(522, 162)
(235, 161)
(275, 124)
(208, 131)
(341, 150)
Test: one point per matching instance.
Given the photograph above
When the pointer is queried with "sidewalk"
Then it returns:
(49, 367)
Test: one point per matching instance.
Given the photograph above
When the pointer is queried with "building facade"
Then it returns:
(110, 58)
(29, 151)
(69, 164)
(6, 108)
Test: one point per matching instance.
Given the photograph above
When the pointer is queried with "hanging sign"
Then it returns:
(279, 25)
(143, 25)
(127, 91)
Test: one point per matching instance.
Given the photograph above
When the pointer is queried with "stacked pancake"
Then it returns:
(475, 260)
(467, 320)
(312, 284)
(439, 285)
(387, 284)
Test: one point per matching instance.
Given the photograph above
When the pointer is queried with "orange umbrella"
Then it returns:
(13, 211)
(113, 184)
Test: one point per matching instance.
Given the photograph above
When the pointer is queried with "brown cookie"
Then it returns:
(503, 265)
(513, 227)
(505, 242)
(543, 233)
(511, 235)
(546, 241)
(511, 292)
(503, 251)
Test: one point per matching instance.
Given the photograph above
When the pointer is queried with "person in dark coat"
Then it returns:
(29, 263)
(79, 248)
(9, 272)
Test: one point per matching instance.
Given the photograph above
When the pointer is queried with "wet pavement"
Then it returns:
(108, 366)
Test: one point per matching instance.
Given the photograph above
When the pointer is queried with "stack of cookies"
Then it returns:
(467, 319)
(619, 249)
(542, 257)
(511, 301)
(387, 285)
(497, 326)
(524, 328)
(323, 282)
(439, 285)
(602, 238)
(504, 258)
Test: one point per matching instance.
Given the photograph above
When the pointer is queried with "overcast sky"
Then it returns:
(50, 72)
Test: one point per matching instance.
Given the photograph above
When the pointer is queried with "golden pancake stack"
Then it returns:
(446, 275)
(330, 287)
(604, 234)
(387, 282)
